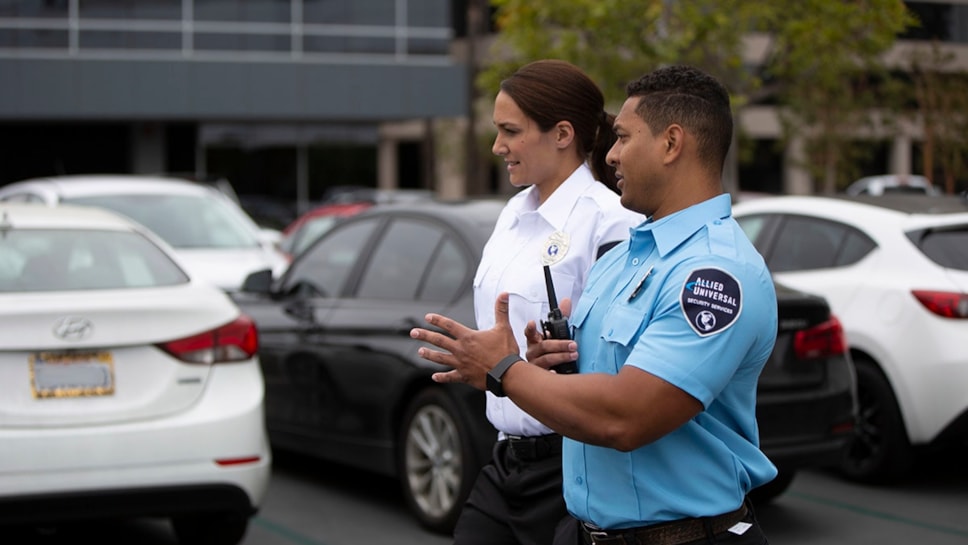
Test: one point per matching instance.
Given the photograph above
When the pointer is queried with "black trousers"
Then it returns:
(516, 500)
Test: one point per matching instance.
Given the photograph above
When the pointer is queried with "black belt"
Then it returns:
(534, 448)
(666, 533)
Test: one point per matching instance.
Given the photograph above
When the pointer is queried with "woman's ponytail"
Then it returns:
(604, 139)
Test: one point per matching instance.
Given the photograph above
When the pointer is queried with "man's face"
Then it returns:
(637, 157)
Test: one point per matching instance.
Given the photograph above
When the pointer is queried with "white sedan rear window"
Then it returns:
(34, 260)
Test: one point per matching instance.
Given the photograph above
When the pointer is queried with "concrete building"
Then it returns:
(287, 99)
(896, 150)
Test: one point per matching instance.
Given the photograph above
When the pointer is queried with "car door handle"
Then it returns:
(301, 311)
(409, 323)
(406, 324)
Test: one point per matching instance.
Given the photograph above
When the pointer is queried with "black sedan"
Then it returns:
(343, 379)
(806, 400)
(344, 382)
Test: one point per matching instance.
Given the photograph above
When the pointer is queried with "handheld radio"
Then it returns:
(556, 326)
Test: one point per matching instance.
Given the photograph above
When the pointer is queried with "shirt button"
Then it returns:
(579, 480)
(635, 261)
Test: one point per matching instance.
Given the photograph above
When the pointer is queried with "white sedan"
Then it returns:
(894, 269)
(214, 238)
(127, 388)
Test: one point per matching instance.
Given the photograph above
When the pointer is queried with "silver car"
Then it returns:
(893, 184)
(214, 238)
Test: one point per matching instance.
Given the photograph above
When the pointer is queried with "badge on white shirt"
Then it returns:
(555, 248)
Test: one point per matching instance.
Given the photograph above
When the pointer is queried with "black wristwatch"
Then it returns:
(495, 375)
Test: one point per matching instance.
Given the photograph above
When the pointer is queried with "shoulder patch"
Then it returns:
(711, 300)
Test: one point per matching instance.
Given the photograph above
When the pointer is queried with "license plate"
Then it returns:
(74, 374)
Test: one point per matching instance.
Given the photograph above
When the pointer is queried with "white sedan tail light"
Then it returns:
(235, 341)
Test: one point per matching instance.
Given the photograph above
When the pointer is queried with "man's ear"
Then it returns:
(564, 134)
(674, 137)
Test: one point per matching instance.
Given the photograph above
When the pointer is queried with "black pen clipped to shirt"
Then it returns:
(638, 287)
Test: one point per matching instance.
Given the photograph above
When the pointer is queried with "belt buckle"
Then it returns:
(598, 536)
(523, 447)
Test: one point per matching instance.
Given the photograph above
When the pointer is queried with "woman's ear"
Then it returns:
(564, 134)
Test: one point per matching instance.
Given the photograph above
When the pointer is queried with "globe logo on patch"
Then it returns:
(705, 320)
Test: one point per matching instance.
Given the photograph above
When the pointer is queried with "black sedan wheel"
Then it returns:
(436, 463)
(880, 451)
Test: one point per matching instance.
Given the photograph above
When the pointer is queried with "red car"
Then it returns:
(305, 229)
(342, 202)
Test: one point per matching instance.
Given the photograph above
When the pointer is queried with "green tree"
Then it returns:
(942, 106)
(818, 58)
(826, 62)
(616, 41)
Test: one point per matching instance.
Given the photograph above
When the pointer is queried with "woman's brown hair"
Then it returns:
(549, 91)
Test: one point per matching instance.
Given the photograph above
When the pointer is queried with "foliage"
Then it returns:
(943, 105)
(820, 63)
(616, 41)
(827, 61)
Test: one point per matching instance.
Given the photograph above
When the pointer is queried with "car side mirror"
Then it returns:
(258, 282)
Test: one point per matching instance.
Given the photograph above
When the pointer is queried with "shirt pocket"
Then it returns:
(624, 325)
(534, 290)
(580, 311)
(527, 300)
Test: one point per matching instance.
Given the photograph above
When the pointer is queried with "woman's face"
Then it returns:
(531, 156)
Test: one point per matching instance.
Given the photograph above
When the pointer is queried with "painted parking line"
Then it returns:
(879, 514)
(285, 532)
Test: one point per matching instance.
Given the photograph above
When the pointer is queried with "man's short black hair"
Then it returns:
(691, 98)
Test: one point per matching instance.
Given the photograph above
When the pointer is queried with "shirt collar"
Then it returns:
(559, 205)
(670, 231)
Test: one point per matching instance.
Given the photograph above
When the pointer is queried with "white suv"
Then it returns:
(894, 269)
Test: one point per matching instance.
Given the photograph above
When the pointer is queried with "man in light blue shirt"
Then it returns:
(673, 328)
(688, 300)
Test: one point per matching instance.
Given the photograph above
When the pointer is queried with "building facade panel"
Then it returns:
(62, 89)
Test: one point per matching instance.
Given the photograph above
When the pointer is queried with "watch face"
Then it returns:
(494, 385)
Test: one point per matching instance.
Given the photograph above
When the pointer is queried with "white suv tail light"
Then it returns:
(943, 303)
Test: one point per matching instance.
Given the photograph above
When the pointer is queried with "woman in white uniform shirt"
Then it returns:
(553, 134)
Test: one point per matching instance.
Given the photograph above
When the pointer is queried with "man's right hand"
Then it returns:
(548, 353)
